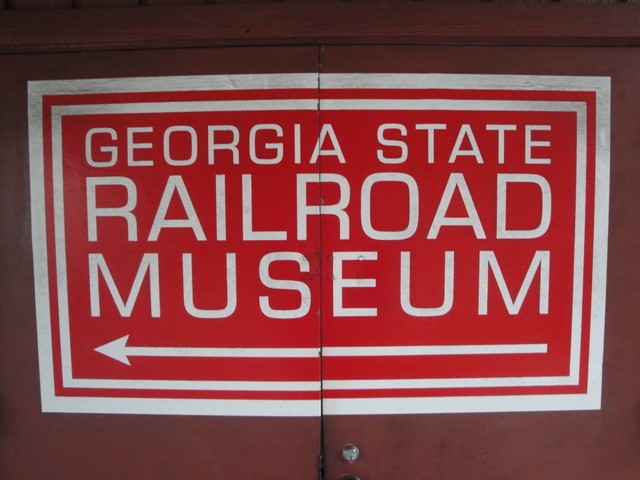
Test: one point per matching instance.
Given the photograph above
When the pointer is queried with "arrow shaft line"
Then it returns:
(504, 349)
(222, 352)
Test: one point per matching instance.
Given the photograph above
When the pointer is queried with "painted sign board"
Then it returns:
(282, 245)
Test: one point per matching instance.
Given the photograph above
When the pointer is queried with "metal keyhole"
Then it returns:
(350, 453)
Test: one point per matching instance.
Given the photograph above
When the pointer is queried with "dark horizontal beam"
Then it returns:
(321, 23)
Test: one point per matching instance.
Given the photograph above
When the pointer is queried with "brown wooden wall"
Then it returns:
(46, 39)
(304, 23)
(49, 4)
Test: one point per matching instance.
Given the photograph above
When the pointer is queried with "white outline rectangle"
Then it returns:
(601, 86)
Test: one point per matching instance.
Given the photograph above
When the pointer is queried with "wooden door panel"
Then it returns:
(78, 446)
(552, 445)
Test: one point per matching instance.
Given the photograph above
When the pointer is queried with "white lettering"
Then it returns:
(340, 283)
(132, 146)
(488, 260)
(148, 263)
(232, 146)
(300, 287)
(167, 145)
(365, 212)
(337, 209)
(405, 288)
(474, 151)
(545, 216)
(382, 140)
(276, 147)
(335, 151)
(111, 150)
(187, 288)
(93, 212)
(529, 144)
(176, 184)
(501, 129)
(431, 140)
(456, 182)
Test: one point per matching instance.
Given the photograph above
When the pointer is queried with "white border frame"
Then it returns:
(590, 400)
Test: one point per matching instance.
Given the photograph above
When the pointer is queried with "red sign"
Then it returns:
(257, 245)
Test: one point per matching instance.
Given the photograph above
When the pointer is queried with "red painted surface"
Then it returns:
(428, 285)
(451, 220)
(190, 196)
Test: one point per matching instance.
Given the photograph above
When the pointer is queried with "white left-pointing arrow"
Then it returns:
(120, 351)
